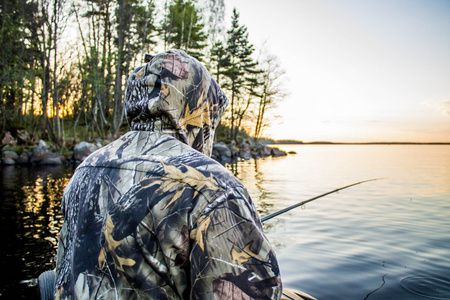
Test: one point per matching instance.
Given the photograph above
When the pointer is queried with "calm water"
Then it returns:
(388, 239)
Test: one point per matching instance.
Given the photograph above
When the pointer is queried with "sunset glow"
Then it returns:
(358, 71)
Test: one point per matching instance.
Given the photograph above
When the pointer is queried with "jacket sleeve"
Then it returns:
(231, 257)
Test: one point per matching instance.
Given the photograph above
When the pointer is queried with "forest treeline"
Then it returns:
(64, 63)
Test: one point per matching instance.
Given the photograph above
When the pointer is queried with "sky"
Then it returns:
(356, 70)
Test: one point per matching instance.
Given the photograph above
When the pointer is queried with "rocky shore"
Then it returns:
(246, 150)
(26, 150)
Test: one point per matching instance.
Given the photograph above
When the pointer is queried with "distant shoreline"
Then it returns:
(284, 142)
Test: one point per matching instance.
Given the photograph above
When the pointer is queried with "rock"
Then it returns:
(8, 161)
(250, 143)
(9, 157)
(8, 148)
(244, 145)
(24, 137)
(51, 161)
(265, 151)
(8, 139)
(10, 154)
(262, 151)
(215, 155)
(83, 150)
(41, 153)
(223, 150)
(42, 144)
(68, 157)
(44, 157)
(255, 153)
(292, 152)
(277, 152)
(234, 150)
(99, 143)
(245, 153)
(24, 158)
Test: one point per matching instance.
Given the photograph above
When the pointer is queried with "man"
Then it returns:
(151, 215)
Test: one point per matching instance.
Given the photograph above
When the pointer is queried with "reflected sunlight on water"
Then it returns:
(341, 246)
(30, 221)
(386, 239)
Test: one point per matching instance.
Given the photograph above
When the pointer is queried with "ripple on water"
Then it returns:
(429, 287)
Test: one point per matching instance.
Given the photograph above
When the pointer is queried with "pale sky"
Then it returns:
(357, 70)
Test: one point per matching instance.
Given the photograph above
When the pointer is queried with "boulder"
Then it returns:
(24, 158)
(255, 153)
(262, 150)
(277, 152)
(8, 139)
(245, 153)
(234, 150)
(9, 157)
(8, 161)
(24, 137)
(265, 151)
(10, 154)
(83, 150)
(41, 153)
(215, 155)
(244, 145)
(249, 142)
(222, 150)
(43, 145)
(8, 148)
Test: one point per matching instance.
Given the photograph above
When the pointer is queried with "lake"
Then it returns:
(385, 239)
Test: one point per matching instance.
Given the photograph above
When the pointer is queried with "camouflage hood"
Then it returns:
(175, 94)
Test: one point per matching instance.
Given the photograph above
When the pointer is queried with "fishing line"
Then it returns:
(263, 219)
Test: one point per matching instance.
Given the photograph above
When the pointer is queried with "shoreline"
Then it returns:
(42, 154)
(368, 143)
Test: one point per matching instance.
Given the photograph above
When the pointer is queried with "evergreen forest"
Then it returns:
(64, 64)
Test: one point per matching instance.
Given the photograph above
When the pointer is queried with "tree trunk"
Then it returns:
(119, 61)
(57, 124)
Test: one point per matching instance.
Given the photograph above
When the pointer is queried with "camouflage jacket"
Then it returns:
(150, 216)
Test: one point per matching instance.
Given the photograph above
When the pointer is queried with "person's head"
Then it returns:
(174, 93)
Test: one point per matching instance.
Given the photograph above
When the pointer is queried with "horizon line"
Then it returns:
(288, 141)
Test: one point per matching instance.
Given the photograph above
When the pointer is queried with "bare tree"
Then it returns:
(54, 16)
(269, 92)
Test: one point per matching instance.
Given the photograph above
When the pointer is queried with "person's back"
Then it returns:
(150, 216)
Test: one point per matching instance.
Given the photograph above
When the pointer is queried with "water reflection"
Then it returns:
(339, 248)
(251, 173)
(30, 222)
(31, 218)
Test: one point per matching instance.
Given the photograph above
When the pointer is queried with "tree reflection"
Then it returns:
(249, 173)
(30, 220)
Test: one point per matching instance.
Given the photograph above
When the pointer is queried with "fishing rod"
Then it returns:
(263, 219)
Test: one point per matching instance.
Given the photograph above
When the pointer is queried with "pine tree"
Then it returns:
(182, 28)
(240, 72)
(145, 26)
(114, 37)
(219, 60)
(18, 59)
(130, 15)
